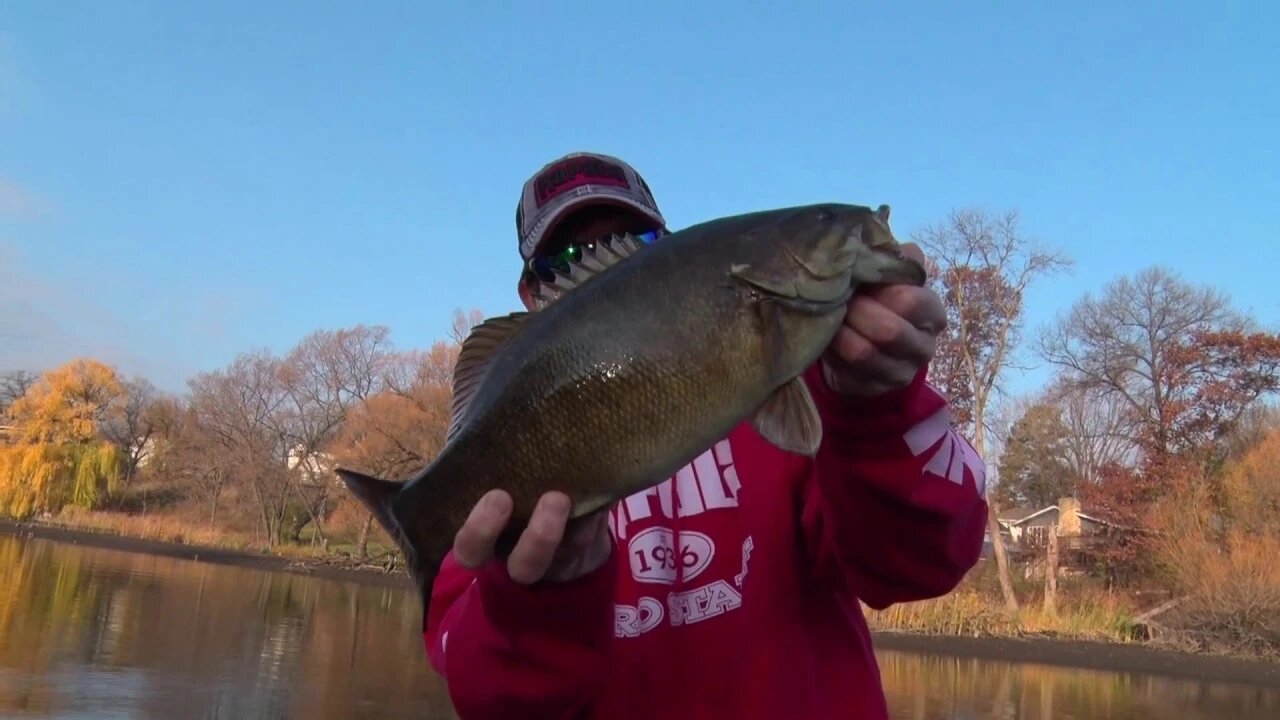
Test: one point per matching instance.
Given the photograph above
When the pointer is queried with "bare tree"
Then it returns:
(322, 378)
(236, 409)
(463, 323)
(133, 428)
(1099, 430)
(985, 266)
(1176, 356)
(192, 452)
(13, 385)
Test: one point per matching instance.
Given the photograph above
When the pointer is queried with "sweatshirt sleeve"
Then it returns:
(508, 650)
(894, 504)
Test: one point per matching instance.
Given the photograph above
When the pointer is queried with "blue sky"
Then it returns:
(244, 173)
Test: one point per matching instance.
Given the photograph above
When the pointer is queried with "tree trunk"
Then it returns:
(993, 524)
(1002, 558)
(362, 544)
(311, 513)
(1051, 574)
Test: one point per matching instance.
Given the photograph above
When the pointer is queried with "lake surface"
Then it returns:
(92, 633)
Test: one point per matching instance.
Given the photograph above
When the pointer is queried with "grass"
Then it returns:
(1085, 612)
(178, 529)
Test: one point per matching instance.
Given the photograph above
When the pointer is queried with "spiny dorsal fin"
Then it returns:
(474, 358)
(593, 263)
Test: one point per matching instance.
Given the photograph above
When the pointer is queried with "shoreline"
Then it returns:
(1100, 656)
(204, 553)
(1057, 652)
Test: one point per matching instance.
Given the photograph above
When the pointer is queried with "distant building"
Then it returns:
(315, 467)
(1029, 528)
(1025, 532)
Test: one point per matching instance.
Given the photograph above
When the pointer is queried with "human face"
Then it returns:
(580, 231)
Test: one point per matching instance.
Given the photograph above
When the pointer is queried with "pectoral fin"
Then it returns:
(789, 419)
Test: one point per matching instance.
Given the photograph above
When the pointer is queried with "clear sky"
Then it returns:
(181, 182)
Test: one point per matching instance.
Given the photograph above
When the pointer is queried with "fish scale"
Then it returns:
(635, 361)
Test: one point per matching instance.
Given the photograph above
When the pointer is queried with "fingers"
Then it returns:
(536, 549)
(919, 306)
(542, 546)
(873, 328)
(877, 371)
(473, 544)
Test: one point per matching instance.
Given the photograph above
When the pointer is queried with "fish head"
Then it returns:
(818, 254)
(802, 265)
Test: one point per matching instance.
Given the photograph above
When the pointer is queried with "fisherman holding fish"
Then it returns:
(803, 464)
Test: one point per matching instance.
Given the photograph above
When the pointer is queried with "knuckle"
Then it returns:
(544, 538)
(854, 348)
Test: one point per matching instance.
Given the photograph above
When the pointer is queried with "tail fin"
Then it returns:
(380, 497)
(375, 494)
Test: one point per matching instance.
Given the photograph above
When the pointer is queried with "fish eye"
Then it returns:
(826, 215)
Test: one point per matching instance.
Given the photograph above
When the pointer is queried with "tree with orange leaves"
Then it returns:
(1185, 367)
(60, 456)
(1217, 542)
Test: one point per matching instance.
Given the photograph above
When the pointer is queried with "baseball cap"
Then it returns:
(575, 181)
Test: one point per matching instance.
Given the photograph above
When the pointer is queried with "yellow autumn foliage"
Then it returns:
(69, 403)
(59, 457)
(1218, 540)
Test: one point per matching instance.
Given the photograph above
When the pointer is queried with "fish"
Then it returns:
(634, 361)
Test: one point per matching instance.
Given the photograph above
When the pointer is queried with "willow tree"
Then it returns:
(59, 456)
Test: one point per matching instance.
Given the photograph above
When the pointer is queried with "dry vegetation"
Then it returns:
(1087, 613)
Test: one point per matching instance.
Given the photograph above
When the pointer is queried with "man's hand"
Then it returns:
(543, 551)
(889, 334)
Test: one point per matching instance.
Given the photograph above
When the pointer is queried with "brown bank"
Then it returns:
(1112, 657)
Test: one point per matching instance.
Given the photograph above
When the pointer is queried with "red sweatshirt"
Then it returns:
(754, 612)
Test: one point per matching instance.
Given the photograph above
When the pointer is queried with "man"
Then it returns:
(732, 589)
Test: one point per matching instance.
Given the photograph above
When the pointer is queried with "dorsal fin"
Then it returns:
(474, 358)
(593, 263)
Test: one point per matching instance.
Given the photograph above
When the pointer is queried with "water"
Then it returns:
(92, 633)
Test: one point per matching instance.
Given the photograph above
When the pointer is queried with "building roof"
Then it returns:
(1018, 516)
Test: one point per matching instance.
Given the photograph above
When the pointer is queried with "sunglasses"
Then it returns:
(544, 266)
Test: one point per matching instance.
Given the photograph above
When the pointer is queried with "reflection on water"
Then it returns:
(91, 633)
(923, 687)
(96, 633)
